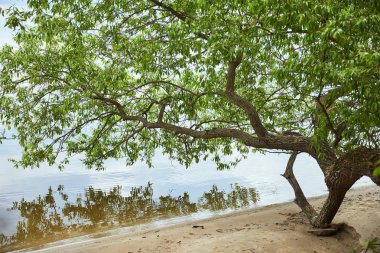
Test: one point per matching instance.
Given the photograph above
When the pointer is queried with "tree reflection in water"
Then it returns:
(43, 220)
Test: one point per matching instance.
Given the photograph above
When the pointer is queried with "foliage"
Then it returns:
(122, 78)
(376, 172)
(371, 246)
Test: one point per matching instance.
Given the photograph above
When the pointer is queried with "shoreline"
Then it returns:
(272, 224)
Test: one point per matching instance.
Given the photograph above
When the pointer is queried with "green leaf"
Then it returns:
(376, 171)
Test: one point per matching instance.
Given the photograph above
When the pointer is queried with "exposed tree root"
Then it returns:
(331, 229)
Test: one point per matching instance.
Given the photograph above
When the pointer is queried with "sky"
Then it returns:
(5, 33)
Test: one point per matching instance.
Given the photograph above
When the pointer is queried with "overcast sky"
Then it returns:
(6, 34)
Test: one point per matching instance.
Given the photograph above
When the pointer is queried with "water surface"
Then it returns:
(39, 204)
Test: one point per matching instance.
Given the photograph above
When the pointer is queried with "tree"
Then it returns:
(198, 79)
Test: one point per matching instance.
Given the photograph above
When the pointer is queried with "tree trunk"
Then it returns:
(330, 207)
(375, 179)
(300, 199)
(340, 175)
(338, 180)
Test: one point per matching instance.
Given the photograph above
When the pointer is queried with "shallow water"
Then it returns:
(83, 201)
(54, 216)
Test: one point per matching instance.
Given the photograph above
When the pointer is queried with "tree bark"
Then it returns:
(300, 198)
(375, 179)
(339, 179)
(330, 208)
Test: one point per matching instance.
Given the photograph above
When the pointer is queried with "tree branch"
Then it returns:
(239, 101)
(300, 200)
(231, 73)
(120, 108)
(180, 15)
(162, 111)
(336, 131)
(279, 142)
(292, 143)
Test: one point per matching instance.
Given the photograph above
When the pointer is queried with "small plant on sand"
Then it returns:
(372, 246)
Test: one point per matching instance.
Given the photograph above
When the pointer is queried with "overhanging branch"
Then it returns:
(268, 141)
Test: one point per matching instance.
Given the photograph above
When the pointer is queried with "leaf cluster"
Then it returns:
(87, 77)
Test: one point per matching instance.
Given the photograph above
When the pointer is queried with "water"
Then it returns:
(258, 177)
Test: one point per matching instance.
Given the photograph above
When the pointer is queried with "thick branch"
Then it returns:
(291, 143)
(279, 142)
(251, 111)
(239, 101)
(231, 73)
(300, 200)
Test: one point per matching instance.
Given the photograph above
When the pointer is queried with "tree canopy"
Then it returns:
(197, 79)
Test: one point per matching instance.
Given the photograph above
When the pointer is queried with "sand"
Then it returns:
(275, 228)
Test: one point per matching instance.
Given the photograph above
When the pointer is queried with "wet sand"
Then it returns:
(275, 228)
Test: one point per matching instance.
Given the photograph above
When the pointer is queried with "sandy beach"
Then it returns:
(275, 228)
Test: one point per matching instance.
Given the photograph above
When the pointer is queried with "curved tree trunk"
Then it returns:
(339, 177)
(333, 202)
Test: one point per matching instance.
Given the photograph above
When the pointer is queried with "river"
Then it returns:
(199, 191)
